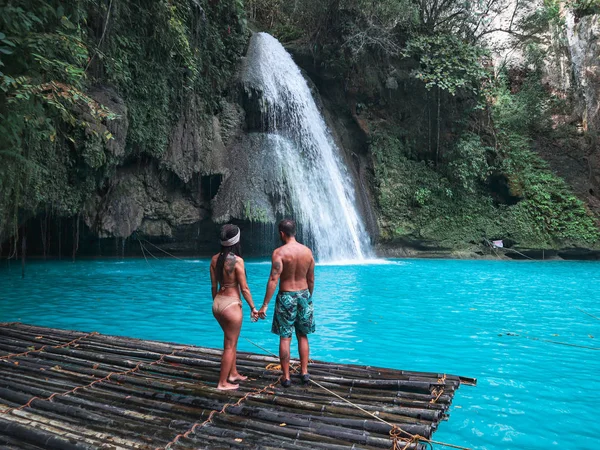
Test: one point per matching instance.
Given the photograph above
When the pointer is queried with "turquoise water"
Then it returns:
(430, 315)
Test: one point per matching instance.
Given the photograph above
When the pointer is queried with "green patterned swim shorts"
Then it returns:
(293, 310)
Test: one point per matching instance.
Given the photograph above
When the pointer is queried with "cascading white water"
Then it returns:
(315, 185)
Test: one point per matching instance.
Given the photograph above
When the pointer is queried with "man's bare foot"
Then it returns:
(227, 386)
(238, 377)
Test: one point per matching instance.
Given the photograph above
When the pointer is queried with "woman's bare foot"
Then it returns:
(227, 386)
(238, 377)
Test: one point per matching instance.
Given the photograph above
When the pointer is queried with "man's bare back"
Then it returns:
(296, 261)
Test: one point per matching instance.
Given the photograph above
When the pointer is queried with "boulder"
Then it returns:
(138, 200)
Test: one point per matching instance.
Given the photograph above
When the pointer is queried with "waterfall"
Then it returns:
(310, 181)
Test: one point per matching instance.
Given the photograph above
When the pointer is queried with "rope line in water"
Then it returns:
(144, 253)
(36, 350)
(164, 251)
(585, 312)
(557, 342)
(100, 380)
(493, 247)
(143, 247)
(503, 332)
(150, 253)
(395, 431)
(518, 252)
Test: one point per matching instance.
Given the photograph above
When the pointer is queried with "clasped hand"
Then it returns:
(260, 314)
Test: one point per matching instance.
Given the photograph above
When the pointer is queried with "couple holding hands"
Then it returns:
(293, 266)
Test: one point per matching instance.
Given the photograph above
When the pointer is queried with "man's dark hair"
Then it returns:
(288, 227)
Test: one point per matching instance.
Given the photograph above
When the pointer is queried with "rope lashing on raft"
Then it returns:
(214, 412)
(100, 380)
(396, 436)
(270, 367)
(396, 432)
(438, 392)
(43, 347)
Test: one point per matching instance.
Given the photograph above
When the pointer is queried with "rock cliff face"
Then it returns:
(143, 199)
(583, 37)
(584, 46)
(578, 160)
(161, 198)
(157, 199)
(573, 69)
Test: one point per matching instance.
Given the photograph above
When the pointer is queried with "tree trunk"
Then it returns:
(76, 237)
(60, 238)
(437, 150)
(44, 232)
(429, 127)
(23, 251)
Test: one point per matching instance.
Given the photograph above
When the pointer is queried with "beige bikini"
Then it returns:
(222, 302)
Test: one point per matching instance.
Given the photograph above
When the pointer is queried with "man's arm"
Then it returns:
(310, 277)
(276, 269)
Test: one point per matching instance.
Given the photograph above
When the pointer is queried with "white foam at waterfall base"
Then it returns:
(315, 186)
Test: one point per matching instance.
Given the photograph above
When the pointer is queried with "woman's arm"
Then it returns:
(240, 274)
(213, 278)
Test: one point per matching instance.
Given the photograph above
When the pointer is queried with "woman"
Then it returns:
(228, 278)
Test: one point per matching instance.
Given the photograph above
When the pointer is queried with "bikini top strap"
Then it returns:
(229, 285)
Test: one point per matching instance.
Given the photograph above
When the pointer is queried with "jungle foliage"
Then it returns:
(56, 145)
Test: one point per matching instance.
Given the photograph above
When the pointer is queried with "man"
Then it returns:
(293, 266)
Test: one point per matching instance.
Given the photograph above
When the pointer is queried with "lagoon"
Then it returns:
(520, 328)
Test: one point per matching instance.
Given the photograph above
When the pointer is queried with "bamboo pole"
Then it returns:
(39, 437)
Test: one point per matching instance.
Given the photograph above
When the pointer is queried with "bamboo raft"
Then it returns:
(72, 390)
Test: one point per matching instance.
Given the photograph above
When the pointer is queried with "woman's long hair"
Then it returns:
(227, 232)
